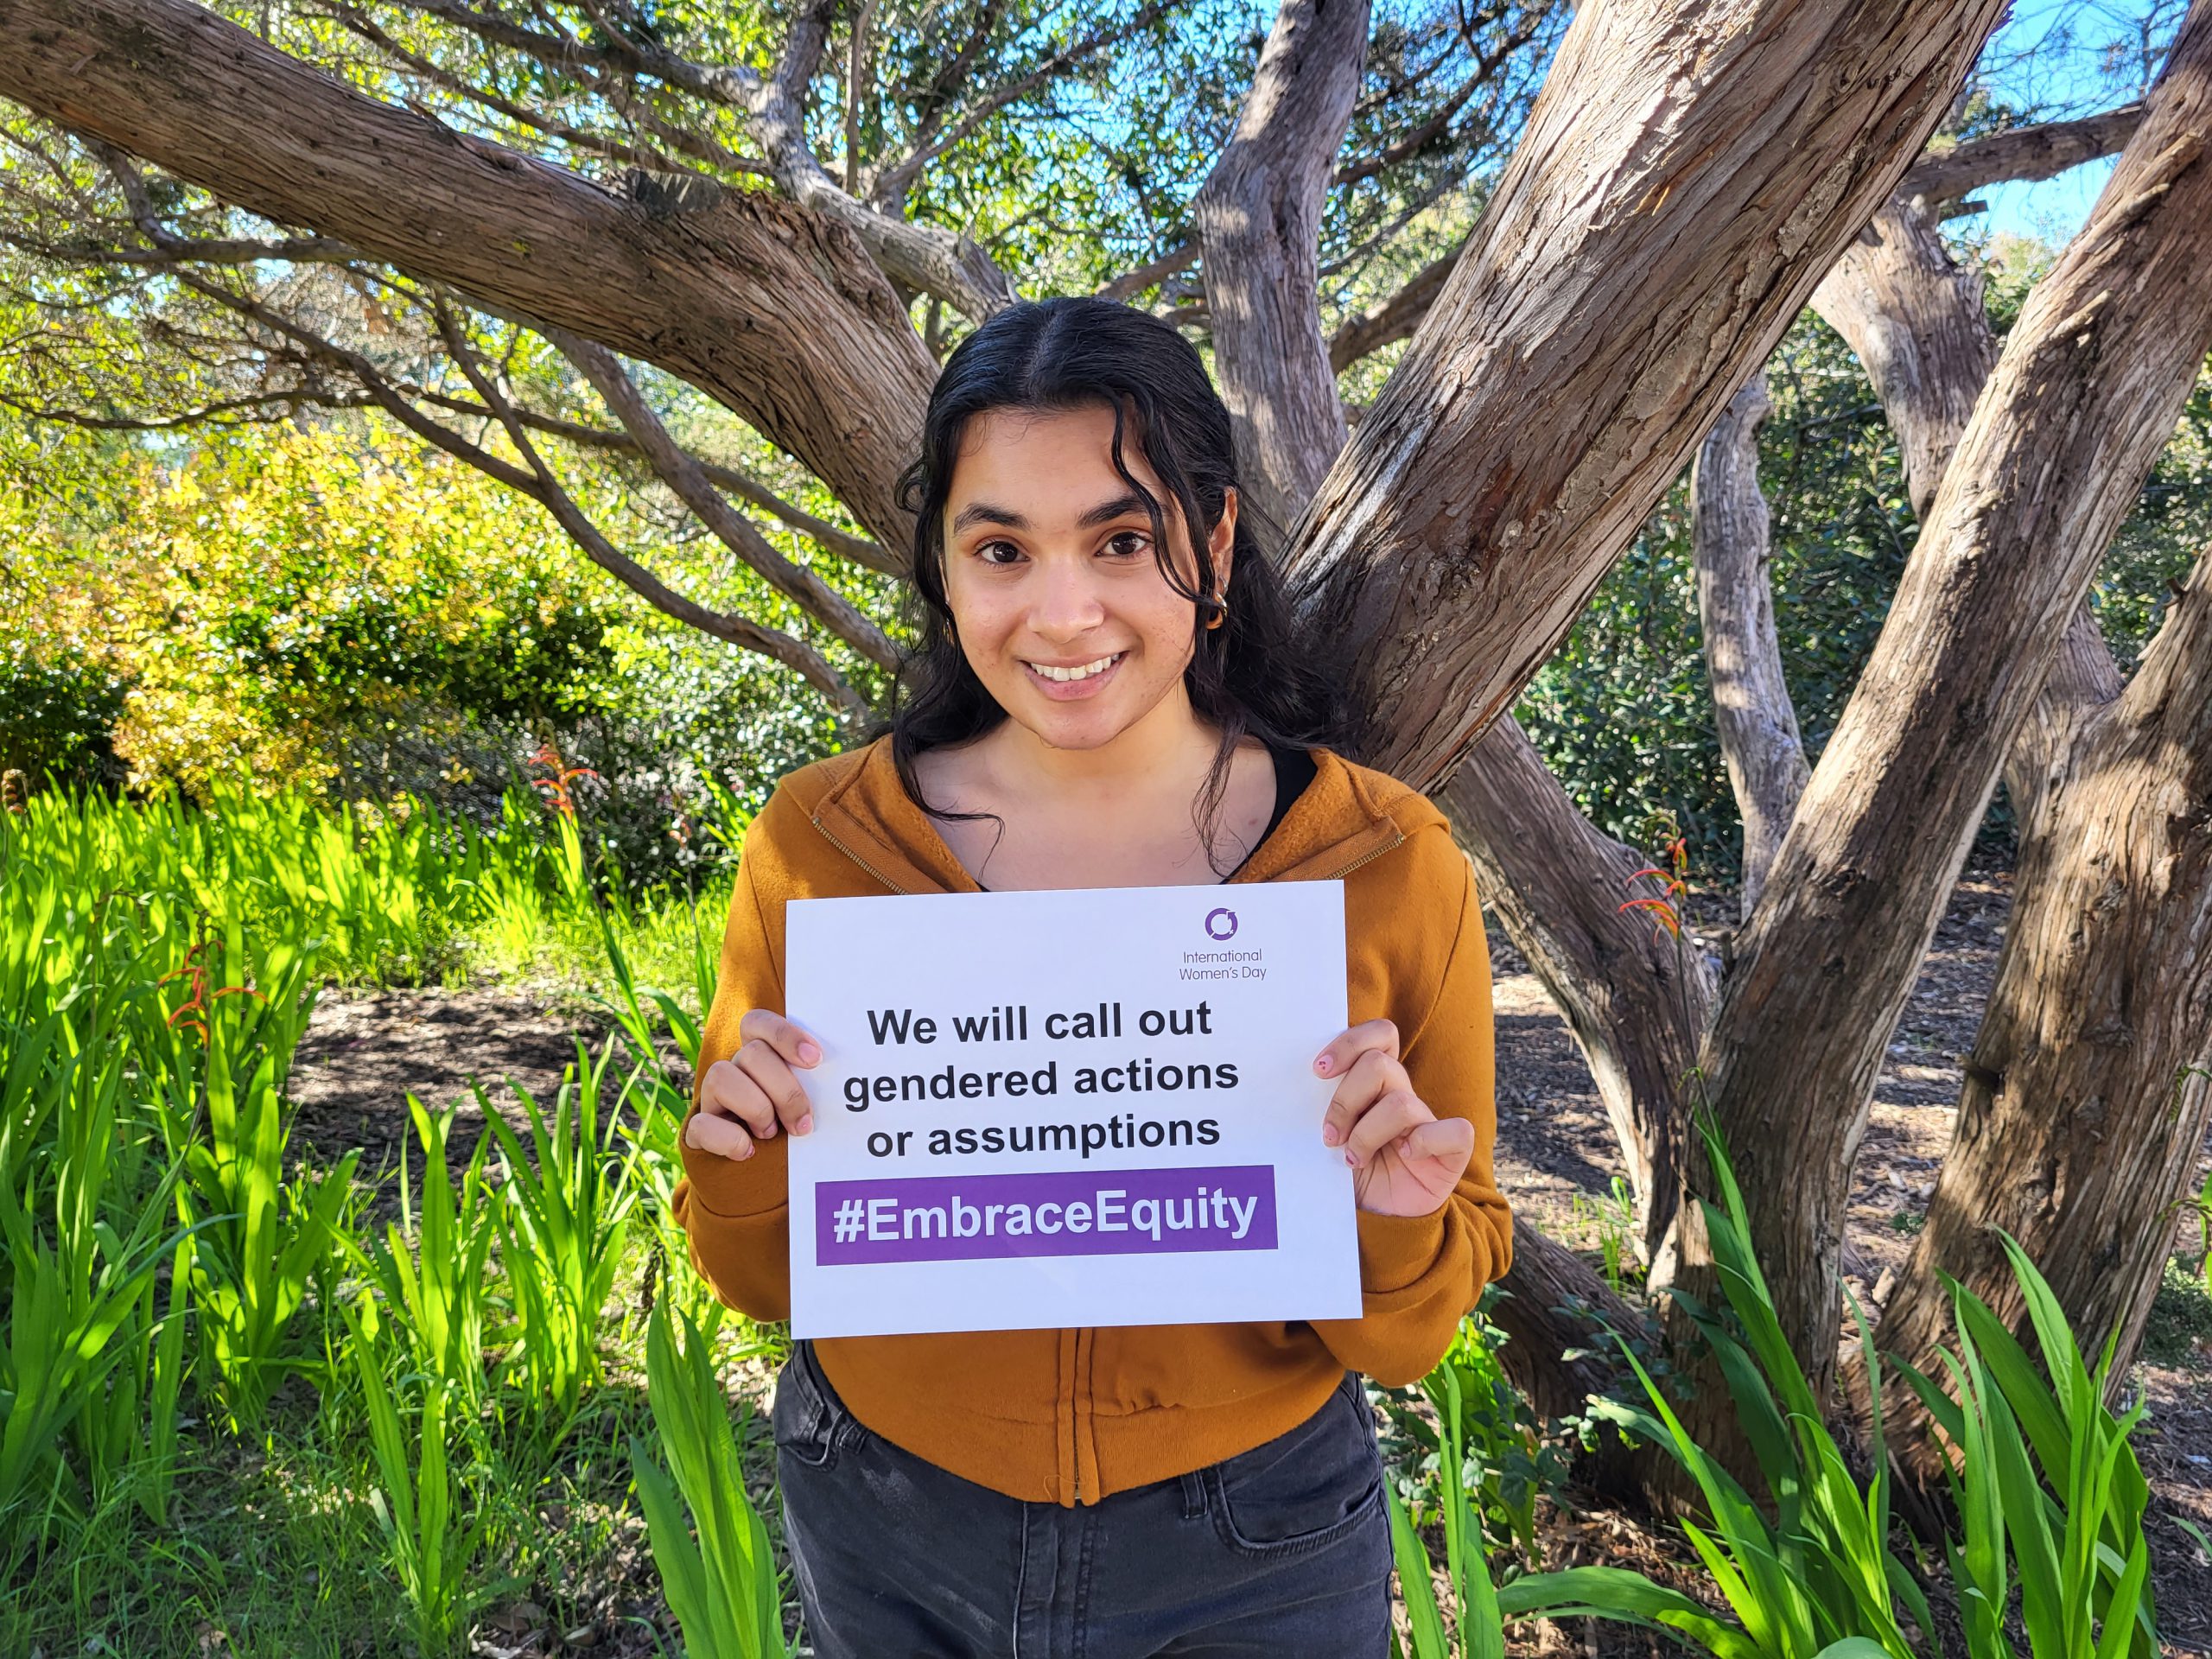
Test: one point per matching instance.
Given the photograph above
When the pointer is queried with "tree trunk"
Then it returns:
(2090, 1090)
(1557, 883)
(1259, 219)
(1689, 170)
(1757, 723)
(1918, 325)
(1915, 321)
(777, 313)
(2085, 394)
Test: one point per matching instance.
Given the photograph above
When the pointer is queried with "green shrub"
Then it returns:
(58, 715)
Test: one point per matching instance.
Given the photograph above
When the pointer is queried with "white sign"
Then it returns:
(1076, 1107)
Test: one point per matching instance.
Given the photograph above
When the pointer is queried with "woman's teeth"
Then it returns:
(1082, 673)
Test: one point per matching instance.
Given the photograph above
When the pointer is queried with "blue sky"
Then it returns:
(2059, 58)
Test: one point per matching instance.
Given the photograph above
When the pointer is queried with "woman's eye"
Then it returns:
(998, 552)
(1129, 543)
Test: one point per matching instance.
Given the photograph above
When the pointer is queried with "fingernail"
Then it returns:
(1321, 1065)
(1330, 1134)
(805, 1125)
(808, 1053)
(1352, 1159)
(770, 1130)
(744, 1153)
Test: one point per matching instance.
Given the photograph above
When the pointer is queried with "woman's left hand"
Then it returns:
(1405, 1159)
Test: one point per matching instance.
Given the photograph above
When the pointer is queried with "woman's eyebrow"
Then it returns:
(1129, 501)
(983, 513)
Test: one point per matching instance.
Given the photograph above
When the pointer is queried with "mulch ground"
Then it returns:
(366, 1051)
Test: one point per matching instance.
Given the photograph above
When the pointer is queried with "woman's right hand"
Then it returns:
(744, 1098)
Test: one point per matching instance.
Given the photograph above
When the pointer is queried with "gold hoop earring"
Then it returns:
(1220, 611)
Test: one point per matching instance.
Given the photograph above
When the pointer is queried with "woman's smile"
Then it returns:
(1068, 681)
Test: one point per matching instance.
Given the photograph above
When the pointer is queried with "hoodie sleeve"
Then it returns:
(737, 1213)
(1422, 1275)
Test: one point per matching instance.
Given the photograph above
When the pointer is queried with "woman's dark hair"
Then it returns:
(1252, 676)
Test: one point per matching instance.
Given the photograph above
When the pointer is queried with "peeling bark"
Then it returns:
(1757, 723)
(2088, 1092)
(2086, 393)
(776, 313)
(2033, 1158)
(1258, 217)
(1688, 173)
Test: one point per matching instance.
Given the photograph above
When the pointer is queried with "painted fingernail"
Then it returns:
(804, 1125)
(1352, 1158)
(743, 1152)
(809, 1053)
(1330, 1134)
(770, 1130)
(1322, 1066)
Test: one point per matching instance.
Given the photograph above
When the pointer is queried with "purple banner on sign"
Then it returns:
(1087, 1212)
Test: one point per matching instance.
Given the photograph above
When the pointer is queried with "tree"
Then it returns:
(1688, 175)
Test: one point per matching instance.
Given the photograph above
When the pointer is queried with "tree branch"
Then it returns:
(1487, 64)
(793, 653)
(780, 315)
(843, 542)
(1941, 183)
(682, 472)
(1396, 317)
(1258, 217)
(1629, 273)
(2085, 394)
(699, 148)
(1917, 323)
(924, 257)
(1729, 541)
(1133, 282)
(891, 185)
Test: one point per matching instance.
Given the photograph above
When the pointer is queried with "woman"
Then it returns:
(1101, 697)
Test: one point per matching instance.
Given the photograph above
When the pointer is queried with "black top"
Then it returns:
(1294, 770)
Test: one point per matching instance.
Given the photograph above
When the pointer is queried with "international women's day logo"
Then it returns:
(1221, 924)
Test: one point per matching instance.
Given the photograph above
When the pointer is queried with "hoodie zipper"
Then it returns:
(1397, 840)
(856, 857)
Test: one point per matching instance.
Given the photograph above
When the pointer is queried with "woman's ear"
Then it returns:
(1222, 544)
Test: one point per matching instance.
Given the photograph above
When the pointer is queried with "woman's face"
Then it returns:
(1060, 605)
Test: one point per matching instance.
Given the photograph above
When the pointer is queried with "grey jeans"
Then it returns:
(1279, 1553)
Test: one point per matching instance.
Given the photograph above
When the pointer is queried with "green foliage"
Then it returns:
(327, 607)
(165, 1260)
(2049, 1494)
(2075, 1539)
(1622, 712)
(718, 1572)
(436, 1291)
(258, 1238)
(58, 714)
(430, 1548)
(1820, 1571)
(1509, 1460)
(1480, 1611)
(562, 1215)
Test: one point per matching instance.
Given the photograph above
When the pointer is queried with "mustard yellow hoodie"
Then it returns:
(1073, 1416)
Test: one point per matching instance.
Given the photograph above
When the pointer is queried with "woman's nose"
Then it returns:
(1065, 603)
